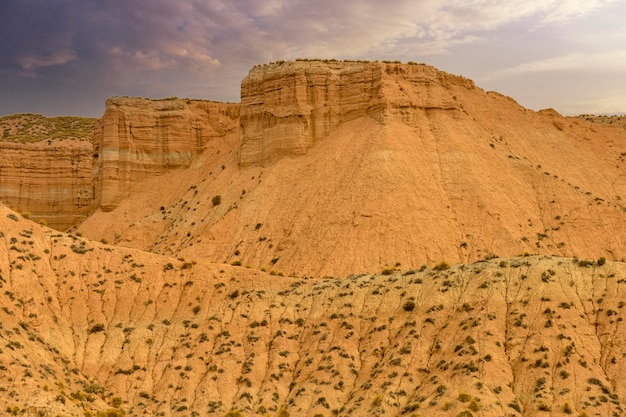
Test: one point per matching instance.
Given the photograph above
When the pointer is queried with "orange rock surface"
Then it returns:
(415, 166)
(49, 180)
(139, 138)
(330, 252)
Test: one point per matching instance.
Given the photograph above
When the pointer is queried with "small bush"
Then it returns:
(464, 397)
(515, 407)
(601, 261)
(441, 266)
(97, 328)
(567, 409)
(409, 306)
(216, 200)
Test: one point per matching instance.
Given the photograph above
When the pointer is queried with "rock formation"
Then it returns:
(287, 107)
(342, 168)
(50, 180)
(50, 169)
(138, 138)
(45, 167)
(297, 269)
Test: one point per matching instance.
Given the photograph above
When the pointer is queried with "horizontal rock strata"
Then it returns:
(138, 138)
(49, 180)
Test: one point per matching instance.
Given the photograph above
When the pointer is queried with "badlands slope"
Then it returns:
(88, 327)
(340, 168)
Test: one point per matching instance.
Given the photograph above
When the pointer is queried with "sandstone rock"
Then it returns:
(424, 167)
(287, 107)
(138, 138)
(49, 180)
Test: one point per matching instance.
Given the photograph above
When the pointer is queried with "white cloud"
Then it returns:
(205, 47)
(30, 63)
(572, 9)
(610, 61)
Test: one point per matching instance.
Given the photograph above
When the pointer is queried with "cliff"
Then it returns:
(45, 167)
(50, 169)
(50, 180)
(287, 107)
(138, 138)
(345, 167)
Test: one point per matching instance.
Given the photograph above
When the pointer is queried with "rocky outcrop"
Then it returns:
(50, 171)
(405, 164)
(49, 180)
(288, 106)
(138, 138)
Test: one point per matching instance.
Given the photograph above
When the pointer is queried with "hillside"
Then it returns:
(86, 324)
(341, 168)
(352, 239)
(35, 127)
(617, 121)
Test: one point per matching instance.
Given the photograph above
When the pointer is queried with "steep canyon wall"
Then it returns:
(49, 180)
(286, 108)
(138, 138)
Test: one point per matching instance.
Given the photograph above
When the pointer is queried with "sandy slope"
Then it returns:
(171, 338)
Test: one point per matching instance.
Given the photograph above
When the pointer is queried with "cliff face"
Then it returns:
(62, 179)
(351, 167)
(138, 138)
(286, 108)
(51, 180)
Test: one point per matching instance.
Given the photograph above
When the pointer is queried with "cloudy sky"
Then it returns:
(67, 56)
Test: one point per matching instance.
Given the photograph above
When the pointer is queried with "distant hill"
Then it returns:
(618, 121)
(35, 127)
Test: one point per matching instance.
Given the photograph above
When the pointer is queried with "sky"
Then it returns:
(65, 57)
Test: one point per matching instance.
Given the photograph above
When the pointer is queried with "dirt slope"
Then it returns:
(425, 166)
(84, 321)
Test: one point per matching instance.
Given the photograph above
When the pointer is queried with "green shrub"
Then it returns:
(441, 266)
(216, 200)
(464, 397)
(97, 328)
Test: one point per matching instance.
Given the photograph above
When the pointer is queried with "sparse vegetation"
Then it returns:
(441, 266)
